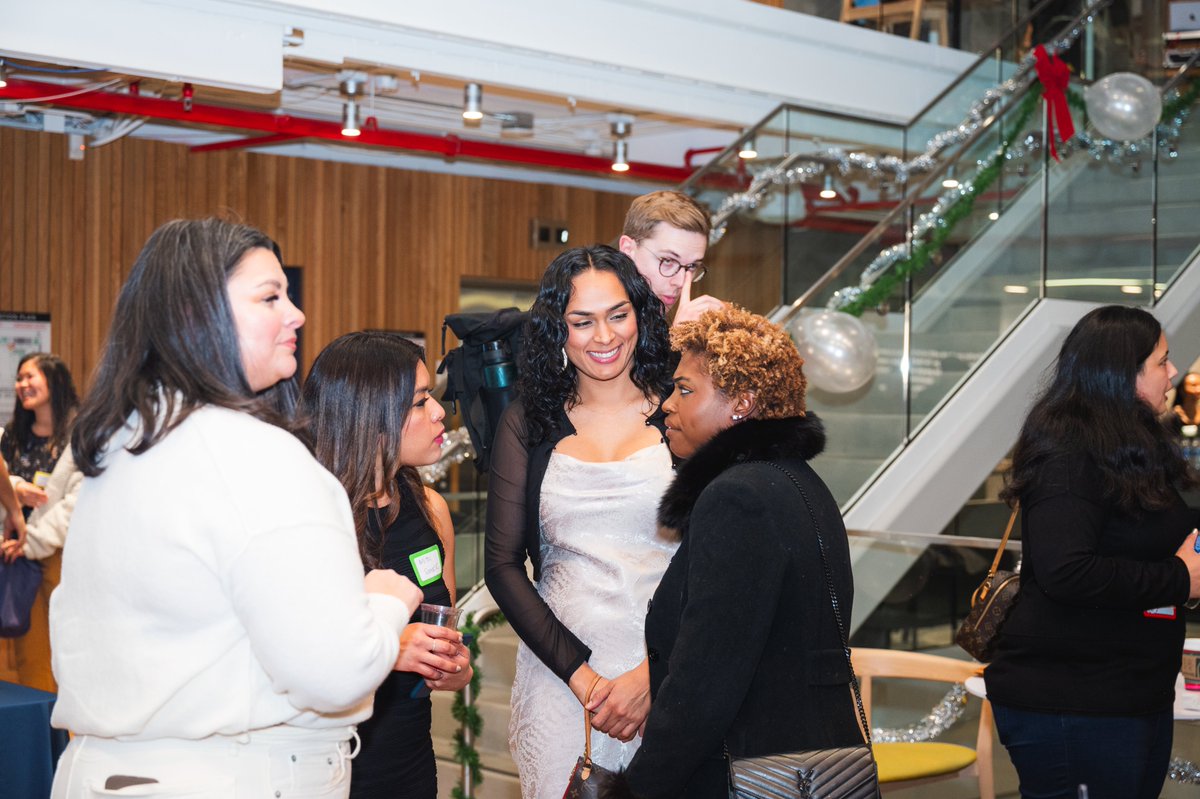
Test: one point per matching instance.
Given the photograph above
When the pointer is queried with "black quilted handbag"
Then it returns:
(847, 772)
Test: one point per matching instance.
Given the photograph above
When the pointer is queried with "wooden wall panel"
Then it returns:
(380, 248)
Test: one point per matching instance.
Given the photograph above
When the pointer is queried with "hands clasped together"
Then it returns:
(620, 705)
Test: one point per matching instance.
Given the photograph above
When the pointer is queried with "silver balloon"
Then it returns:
(839, 351)
(1123, 106)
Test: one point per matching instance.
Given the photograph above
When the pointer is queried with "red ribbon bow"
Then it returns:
(1055, 76)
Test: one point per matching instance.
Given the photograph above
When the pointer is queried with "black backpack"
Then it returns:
(481, 372)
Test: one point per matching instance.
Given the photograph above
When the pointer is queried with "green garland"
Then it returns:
(1182, 100)
(921, 254)
(469, 717)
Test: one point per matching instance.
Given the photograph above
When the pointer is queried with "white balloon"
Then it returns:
(1123, 106)
(839, 351)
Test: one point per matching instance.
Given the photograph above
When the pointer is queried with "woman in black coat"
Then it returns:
(745, 654)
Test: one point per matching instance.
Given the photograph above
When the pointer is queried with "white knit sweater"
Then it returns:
(213, 585)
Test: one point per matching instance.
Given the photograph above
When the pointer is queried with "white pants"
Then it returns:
(277, 762)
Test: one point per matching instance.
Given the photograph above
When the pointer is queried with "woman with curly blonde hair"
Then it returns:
(742, 621)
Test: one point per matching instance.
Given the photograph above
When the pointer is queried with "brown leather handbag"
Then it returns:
(991, 603)
(587, 777)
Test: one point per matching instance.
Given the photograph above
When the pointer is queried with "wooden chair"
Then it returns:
(887, 14)
(903, 765)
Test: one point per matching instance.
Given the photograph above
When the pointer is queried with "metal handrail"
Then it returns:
(988, 53)
(902, 208)
(905, 205)
(936, 539)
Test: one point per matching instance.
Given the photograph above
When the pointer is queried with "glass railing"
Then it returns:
(1120, 40)
(939, 274)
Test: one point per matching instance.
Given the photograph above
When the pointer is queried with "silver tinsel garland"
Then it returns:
(1118, 153)
(943, 716)
(1183, 771)
(806, 167)
(456, 448)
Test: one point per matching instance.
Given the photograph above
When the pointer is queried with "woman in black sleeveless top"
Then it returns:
(371, 414)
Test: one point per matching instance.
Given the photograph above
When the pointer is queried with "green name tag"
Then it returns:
(427, 565)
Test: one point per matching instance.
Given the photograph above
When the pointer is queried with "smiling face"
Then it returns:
(1155, 376)
(666, 241)
(602, 331)
(697, 410)
(266, 319)
(31, 386)
(421, 439)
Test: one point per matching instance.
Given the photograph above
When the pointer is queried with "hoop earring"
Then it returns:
(566, 363)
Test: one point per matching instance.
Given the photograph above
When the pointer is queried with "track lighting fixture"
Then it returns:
(350, 119)
(620, 125)
(828, 193)
(620, 156)
(350, 109)
(950, 182)
(472, 102)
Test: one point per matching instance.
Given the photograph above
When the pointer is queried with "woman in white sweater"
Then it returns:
(211, 636)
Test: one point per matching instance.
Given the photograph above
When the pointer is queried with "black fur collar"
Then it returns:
(752, 440)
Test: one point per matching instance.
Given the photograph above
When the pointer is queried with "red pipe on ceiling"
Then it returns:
(285, 125)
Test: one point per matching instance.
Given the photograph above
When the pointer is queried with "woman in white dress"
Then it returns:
(578, 467)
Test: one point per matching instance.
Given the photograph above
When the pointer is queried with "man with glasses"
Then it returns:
(666, 235)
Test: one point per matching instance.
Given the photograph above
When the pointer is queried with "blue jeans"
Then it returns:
(1116, 757)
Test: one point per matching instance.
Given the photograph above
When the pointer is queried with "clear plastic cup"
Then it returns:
(441, 615)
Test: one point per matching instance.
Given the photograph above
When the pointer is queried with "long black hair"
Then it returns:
(544, 385)
(356, 400)
(63, 402)
(173, 343)
(1091, 407)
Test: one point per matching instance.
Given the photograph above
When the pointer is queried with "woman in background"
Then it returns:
(1186, 408)
(1083, 680)
(211, 635)
(746, 658)
(578, 467)
(32, 445)
(373, 421)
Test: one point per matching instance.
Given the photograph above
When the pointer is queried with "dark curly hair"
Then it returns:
(544, 386)
(1090, 406)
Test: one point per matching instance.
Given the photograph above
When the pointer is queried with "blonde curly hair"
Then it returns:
(745, 352)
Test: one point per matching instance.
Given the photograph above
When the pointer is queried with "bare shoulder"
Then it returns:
(440, 512)
(436, 502)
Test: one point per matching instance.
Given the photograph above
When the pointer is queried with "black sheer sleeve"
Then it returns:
(505, 553)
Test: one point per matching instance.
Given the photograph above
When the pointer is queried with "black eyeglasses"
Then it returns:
(669, 267)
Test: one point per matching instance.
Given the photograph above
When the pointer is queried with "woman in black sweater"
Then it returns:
(1083, 680)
